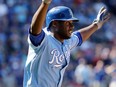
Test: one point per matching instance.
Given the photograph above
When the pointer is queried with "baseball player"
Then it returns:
(49, 48)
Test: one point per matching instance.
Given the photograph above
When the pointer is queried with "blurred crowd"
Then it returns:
(93, 64)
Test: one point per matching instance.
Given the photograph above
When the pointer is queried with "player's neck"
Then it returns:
(58, 37)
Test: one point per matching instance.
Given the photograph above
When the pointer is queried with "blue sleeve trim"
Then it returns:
(78, 34)
(37, 39)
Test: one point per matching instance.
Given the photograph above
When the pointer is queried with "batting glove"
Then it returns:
(102, 17)
(47, 1)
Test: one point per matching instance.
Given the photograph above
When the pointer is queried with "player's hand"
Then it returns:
(102, 17)
(47, 1)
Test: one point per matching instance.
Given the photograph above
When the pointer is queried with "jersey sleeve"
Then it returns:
(76, 40)
(39, 40)
(36, 40)
(79, 37)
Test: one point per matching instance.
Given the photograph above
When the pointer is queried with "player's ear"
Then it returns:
(54, 24)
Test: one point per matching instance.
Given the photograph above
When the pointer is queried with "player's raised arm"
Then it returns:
(39, 17)
(102, 17)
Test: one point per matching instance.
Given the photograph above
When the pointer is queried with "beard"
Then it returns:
(62, 34)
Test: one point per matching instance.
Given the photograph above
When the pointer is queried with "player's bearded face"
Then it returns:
(65, 29)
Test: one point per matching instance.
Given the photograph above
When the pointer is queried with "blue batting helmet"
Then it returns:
(59, 13)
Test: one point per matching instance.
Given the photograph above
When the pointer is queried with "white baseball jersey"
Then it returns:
(48, 59)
